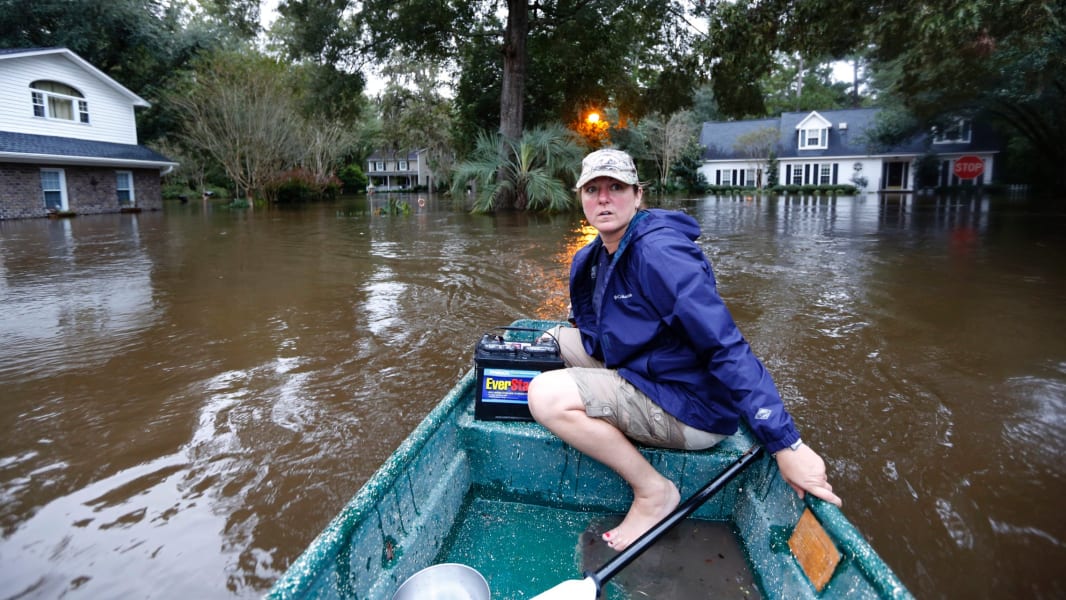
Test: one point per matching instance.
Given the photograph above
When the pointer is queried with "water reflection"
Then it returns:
(191, 396)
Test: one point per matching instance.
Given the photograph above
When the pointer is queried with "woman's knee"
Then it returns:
(549, 393)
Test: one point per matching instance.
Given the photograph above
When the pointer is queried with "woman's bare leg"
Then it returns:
(556, 403)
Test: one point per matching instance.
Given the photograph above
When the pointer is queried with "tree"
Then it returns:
(666, 140)
(744, 37)
(760, 146)
(240, 16)
(534, 169)
(793, 84)
(239, 111)
(323, 144)
(687, 169)
(414, 115)
(1003, 60)
(521, 65)
(998, 60)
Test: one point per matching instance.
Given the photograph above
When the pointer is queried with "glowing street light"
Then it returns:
(593, 118)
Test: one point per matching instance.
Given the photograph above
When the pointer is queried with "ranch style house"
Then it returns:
(832, 148)
(68, 139)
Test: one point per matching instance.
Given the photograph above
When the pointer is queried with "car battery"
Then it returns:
(504, 369)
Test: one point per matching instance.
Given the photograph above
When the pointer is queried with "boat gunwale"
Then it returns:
(850, 541)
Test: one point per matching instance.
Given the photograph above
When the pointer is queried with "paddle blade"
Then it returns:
(573, 589)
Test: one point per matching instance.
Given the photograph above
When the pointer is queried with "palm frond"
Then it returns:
(538, 168)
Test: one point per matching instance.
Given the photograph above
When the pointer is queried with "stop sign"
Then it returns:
(969, 167)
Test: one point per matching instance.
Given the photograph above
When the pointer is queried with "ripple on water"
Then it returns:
(954, 523)
(1037, 422)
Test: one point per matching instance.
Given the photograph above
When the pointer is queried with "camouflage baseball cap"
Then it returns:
(608, 163)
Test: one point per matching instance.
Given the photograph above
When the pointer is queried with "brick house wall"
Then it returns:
(90, 190)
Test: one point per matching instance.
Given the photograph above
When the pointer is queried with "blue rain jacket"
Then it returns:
(662, 325)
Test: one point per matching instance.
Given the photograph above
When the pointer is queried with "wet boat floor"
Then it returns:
(525, 549)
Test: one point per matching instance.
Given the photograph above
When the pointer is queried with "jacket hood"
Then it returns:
(657, 218)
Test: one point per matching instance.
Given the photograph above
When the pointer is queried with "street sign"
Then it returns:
(969, 167)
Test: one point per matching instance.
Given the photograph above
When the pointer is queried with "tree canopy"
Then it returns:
(461, 68)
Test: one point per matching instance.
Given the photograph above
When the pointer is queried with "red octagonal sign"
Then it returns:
(969, 167)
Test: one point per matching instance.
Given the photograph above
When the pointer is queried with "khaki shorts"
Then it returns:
(609, 397)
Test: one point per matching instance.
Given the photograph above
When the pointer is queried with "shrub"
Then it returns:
(353, 178)
(301, 185)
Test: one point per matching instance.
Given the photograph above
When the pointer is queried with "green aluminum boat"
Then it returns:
(525, 510)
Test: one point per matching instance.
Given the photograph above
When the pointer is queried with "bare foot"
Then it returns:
(647, 510)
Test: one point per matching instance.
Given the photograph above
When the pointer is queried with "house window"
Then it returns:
(957, 132)
(401, 165)
(749, 177)
(38, 104)
(727, 176)
(54, 100)
(813, 138)
(53, 189)
(379, 165)
(124, 187)
(825, 175)
(797, 174)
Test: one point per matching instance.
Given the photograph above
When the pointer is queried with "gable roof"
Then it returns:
(8, 53)
(849, 135)
(47, 149)
(815, 119)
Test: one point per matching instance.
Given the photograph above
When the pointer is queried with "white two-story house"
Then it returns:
(398, 170)
(833, 148)
(68, 139)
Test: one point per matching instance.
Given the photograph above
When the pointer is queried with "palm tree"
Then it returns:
(532, 173)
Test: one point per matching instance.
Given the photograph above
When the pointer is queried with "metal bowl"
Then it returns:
(446, 581)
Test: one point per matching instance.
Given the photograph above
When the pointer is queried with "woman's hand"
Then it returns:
(804, 470)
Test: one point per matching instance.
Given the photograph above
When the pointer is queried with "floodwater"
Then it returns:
(187, 397)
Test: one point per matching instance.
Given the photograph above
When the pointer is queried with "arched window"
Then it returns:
(55, 100)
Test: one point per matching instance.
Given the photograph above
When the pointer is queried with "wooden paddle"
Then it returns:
(591, 586)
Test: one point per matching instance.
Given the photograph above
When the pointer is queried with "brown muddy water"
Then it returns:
(187, 397)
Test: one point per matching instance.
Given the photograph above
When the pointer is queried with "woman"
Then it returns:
(655, 356)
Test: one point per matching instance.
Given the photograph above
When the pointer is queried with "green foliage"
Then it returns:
(998, 61)
(686, 170)
(926, 170)
(301, 185)
(648, 67)
(772, 170)
(394, 207)
(705, 106)
(794, 85)
(533, 173)
(744, 39)
(239, 16)
(415, 115)
(661, 141)
(325, 92)
(477, 92)
(352, 177)
(814, 190)
(239, 111)
(145, 45)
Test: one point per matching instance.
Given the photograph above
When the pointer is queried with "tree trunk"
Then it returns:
(514, 69)
(512, 96)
